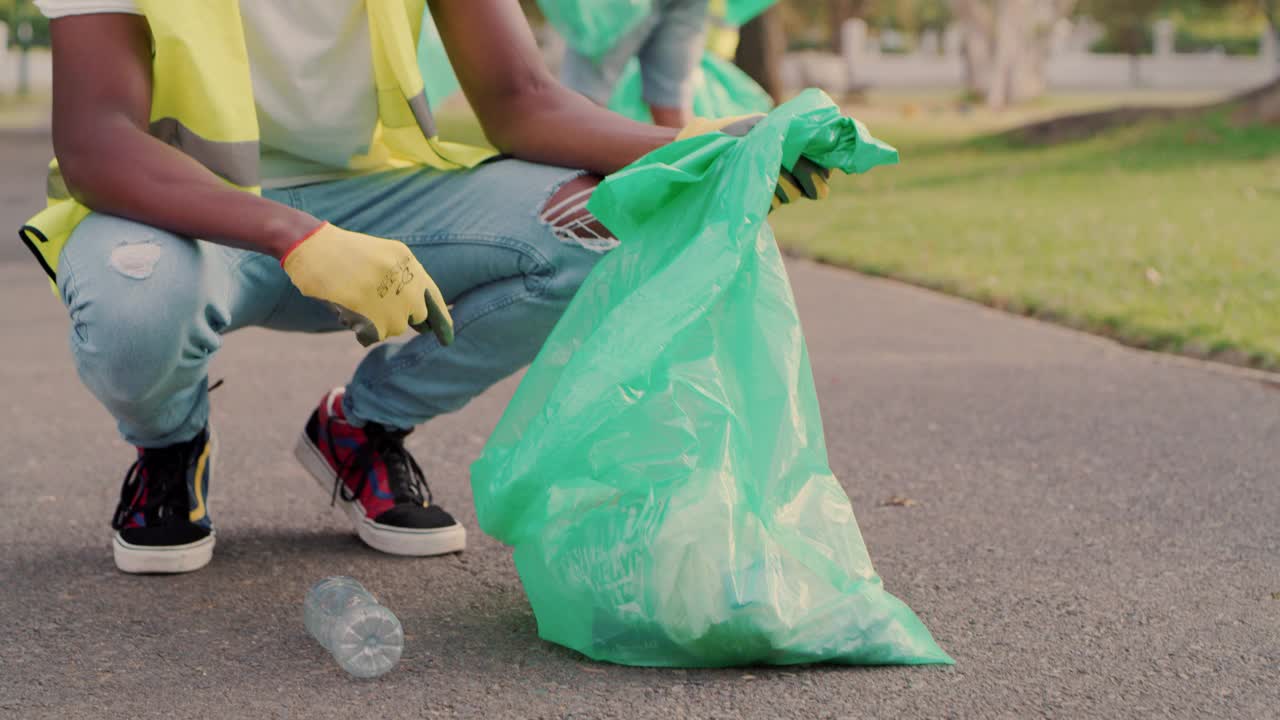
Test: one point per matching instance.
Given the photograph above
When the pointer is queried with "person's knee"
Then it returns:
(135, 298)
(581, 238)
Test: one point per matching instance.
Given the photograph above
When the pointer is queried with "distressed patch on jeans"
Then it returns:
(572, 223)
(135, 260)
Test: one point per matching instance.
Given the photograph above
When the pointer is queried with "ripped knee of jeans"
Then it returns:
(567, 215)
(136, 260)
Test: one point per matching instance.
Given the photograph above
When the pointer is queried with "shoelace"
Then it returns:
(163, 469)
(405, 478)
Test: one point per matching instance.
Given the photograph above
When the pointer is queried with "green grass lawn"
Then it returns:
(1165, 236)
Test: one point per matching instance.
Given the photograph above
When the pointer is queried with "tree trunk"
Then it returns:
(1006, 46)
(1271, 8)
(838, 11)
(1012, 16)
(976, 18)
(761, 44)
(976, 59)
(975, 56)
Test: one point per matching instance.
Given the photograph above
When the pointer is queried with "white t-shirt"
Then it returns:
(312, 70)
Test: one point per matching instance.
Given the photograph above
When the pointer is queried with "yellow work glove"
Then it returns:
(807, 179)
(377, 286)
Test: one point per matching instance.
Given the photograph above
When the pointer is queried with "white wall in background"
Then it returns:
(1070, 67)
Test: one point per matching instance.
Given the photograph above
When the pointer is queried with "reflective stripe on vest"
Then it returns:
(235, 162)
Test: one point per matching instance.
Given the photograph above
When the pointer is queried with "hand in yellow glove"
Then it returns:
(377, 285)
(807, 179)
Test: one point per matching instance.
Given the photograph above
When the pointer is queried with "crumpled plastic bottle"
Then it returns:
(364, 637)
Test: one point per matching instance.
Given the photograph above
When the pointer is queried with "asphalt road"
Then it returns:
(1095, 533)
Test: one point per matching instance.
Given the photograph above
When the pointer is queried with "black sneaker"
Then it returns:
(381, 486)
(162, 523)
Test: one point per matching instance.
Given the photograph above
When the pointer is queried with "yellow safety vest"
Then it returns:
(722, 37)
(202, 103)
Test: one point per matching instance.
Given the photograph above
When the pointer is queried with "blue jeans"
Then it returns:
(149, 308)
(668, 44)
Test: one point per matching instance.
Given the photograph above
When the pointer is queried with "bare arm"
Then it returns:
(525, 111)
(101, 109)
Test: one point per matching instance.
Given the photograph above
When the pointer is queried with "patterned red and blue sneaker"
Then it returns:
(381, 486)
(162, 523)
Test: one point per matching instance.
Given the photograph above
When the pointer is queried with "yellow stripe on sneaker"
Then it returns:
(198, 514)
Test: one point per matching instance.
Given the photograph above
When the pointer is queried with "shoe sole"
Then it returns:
(386, 538)
(169, 559)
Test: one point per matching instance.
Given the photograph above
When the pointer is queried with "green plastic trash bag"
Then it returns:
(738, 12)
(720, 89)
(593, 27)
(433, 63)
(661, 471)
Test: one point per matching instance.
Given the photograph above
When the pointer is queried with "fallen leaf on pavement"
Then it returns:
(899, 501)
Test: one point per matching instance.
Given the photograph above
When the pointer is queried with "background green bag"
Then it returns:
(720, 89)
(433, 63)
(738, 12)
(593, 27)
(661, 471)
